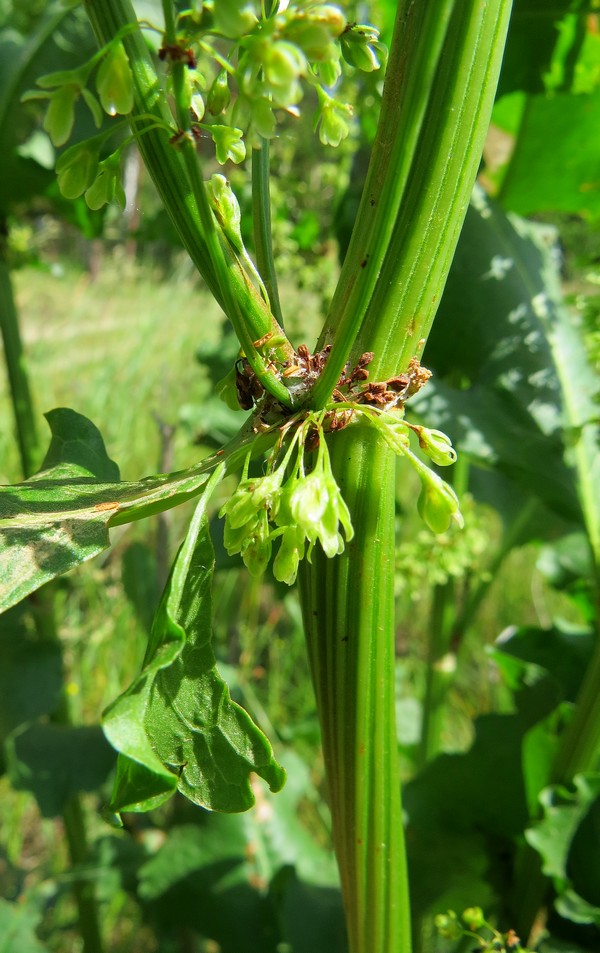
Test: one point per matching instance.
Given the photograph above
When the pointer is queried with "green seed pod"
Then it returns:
(360, 47)
(219, 95)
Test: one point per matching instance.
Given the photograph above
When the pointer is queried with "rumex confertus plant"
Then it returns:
(327, 422)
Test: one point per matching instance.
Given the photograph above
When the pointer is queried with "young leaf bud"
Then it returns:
(107, 185)
(219, 95)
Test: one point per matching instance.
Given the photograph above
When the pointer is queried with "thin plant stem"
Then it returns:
(261, 212)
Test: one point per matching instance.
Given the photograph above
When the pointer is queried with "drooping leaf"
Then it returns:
(176, 727)
(60, 517)
(56, 761)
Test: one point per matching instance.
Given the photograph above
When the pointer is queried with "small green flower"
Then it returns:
(360, 47)
(60, 115)
(332, 121)
(234, 18)
(257, 546)
(438, 503)
(448, 926)
(316, 31)
(229, 144)
(107, 186)
(291, 551)
(473, 917)
(114, 81)
(437, 446)
(76, 169)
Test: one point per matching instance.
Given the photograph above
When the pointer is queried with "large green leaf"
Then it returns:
(60, 517)
(532, 38)
(515, 387)
(564, 178)
(176, 727)
(56, 761)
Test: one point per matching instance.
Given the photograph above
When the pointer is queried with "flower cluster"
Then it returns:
(289, 505)
(298, 505)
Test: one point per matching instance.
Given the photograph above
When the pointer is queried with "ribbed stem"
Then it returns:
(348, 608)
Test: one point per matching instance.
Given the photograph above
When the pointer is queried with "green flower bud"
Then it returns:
(114, 81)
(60, 115)
(234, 18)
(315, 32)
(229, 144)
(283, 64)
(219, 95)
(332, 122)
(291, 551)
(256, 548)
(308, 501)
(76, 169)
(360, 47)
(448, 926)
(226, 208)
(437, 446)
(438, 503)
(473, 917)
(329, 72)
(107, 185)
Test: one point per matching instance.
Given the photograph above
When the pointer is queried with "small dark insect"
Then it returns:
(247, 385)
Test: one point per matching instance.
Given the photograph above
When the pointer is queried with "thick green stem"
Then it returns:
(348, 608)
(439, 90)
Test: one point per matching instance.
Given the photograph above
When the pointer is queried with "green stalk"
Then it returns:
(261, 217)
(348, 609)
(184, 199)
(442, 75)
(16, 368)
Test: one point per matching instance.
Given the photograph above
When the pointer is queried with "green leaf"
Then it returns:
(30, 673)
(176, 726)
(60, 517)
(530, 45)
(510, 354)
(563, 177)
(567, 841)
(18, 922)
(56, 761)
